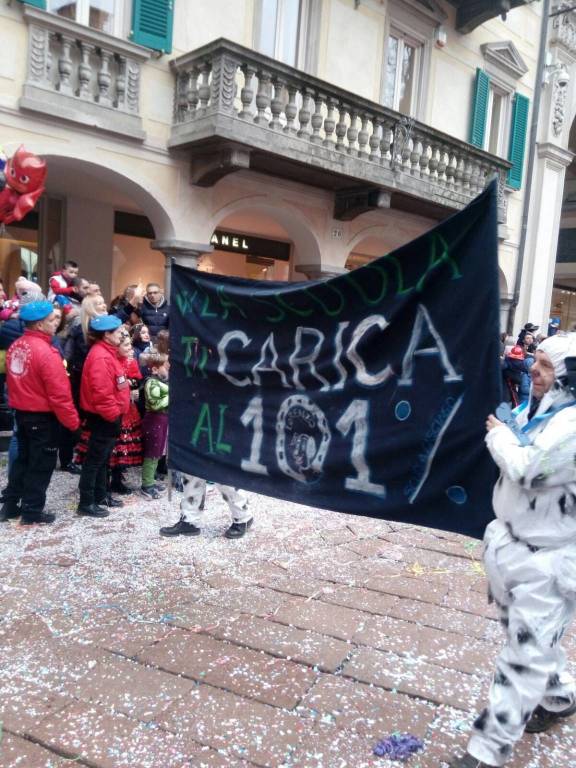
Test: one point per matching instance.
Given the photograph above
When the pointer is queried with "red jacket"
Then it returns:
(37, 380)
(60, 286)
(104, 389)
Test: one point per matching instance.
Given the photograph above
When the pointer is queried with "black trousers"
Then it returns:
(67, 439)
(93, 480)
(32, 469)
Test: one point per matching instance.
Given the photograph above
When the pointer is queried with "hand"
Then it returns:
(492, 422)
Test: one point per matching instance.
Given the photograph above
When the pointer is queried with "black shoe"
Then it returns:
(181, 528)
(467, 761)
(91, 510)
(237, 530)
(37, 518)
(73, 469)
(8, 511)
(542, 719)
(121, 488)
(110, 501)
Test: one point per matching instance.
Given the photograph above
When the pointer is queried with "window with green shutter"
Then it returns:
(479, 108)
(518, 131)
(36, 3)
(152, 24)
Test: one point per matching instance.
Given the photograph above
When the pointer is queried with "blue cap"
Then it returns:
(105, 323)
(36, 310)
(62, 301)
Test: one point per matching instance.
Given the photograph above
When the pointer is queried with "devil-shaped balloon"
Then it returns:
(21, 184)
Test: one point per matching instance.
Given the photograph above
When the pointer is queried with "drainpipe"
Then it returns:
(531, 155)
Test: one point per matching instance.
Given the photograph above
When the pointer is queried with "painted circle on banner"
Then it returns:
(302, 438)
(403, 410)
(457, 494)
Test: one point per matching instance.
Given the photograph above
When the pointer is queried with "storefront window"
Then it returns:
(18, 256)
(563, 309)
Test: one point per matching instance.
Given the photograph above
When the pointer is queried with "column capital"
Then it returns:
(320, 271)
(181, 248)
(550, 151)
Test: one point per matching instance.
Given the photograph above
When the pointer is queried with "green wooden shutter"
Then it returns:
(479, 108)
(152, 24)
(518, 131)
(36, 3)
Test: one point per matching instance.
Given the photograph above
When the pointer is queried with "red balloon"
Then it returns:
(25, 179)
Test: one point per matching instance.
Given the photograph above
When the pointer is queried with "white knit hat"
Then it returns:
(558, 348)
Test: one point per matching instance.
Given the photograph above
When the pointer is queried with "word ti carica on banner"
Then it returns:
(365, 394)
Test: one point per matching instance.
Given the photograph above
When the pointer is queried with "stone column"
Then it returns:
(542, 241)
(179, 252)
(320, 271)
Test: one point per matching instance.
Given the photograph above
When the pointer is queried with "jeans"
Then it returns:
(32, 469)
(93, 480)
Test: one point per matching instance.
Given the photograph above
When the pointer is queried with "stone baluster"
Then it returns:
(466, 175)
(84, 70)
(247, 92)
(352, 133)
(415, 155)
(291, 109)
(204, 87)
(120, 98)
(65, 65)
(386, 145)
(304, 114)
(460, 172)
(363, 136)
(405, 154)
(341, 127)
(442, 165)
(277, 103)
(425, 159)
(375, 139)
(263, 97)
(434, 162)
(317, 117)
(330, 122)
(192, 96)
(451, 170)
(104, 78)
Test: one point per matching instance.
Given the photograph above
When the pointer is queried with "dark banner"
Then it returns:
(365, 394)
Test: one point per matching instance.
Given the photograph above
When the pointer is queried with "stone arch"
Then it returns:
(292, 221)
(100, 168)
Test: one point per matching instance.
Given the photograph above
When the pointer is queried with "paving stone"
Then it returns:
(131, 688)
(436, 646)
(311, 648)
(369, 711)
(358, 598)
(103, 740)
(441, 618)
(404, 586)
(470, 601)
(123, 636)
(241, 670)
(255, 600)
(414, 677)
(23, 703)
(332, 620)
(16, 752)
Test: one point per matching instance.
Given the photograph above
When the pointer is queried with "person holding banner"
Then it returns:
(192, 510)
(530, 559)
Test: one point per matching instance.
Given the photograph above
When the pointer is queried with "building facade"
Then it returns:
(280, 139)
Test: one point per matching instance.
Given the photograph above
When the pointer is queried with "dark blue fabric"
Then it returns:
(10, 330)
(387, 417)
(154, 317)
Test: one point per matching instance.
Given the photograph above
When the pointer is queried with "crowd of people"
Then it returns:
(88, 385)
(517, 360)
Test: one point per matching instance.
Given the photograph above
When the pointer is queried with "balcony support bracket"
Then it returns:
(349, 203)
(207, 169)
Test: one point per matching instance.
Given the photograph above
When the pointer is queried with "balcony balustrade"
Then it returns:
(235, 109)
(80, 74)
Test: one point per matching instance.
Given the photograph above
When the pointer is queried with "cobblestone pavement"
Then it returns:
(302, 644)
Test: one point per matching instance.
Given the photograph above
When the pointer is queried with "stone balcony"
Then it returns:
(82, 75)
(237, 109)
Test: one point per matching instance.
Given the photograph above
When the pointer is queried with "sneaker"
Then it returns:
(9, 510)
(160, 487)
(91, 510)
(150, 492)
(542, 719)
(181, 528)
(467, 761)
(37, 518)
(237, 530)
(73, 468)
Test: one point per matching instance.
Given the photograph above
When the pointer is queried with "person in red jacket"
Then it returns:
(39, 392)
(105, 397)
(62, 283)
